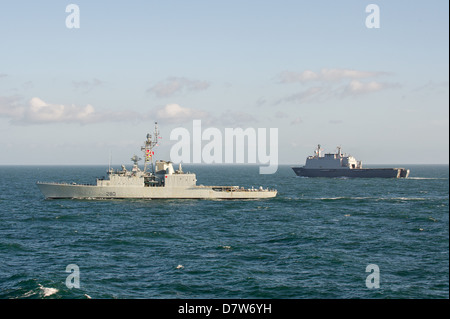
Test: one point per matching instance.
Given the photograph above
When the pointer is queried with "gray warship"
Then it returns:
(343, 165)
(156, 180)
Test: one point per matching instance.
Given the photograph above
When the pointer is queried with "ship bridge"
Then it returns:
(332, 161)
(173, 178)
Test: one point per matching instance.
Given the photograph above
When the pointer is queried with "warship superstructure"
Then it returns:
(156, 180)
(343, 165)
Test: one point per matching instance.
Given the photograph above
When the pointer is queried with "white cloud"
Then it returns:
(320, 94)
(37, 111)
(175, 85)
(291, 77)
(328, 84)
(326, 75)
(356, 87)
(342, 74)
(176, 113)
(359, 87)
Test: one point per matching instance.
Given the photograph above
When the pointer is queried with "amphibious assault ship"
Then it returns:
(156, 180)
(342, 165)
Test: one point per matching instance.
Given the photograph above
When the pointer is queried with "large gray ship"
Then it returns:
(156, 180)
(343, 165)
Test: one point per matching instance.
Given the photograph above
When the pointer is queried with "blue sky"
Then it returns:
(312, 69)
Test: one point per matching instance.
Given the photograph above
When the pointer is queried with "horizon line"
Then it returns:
(208, 164)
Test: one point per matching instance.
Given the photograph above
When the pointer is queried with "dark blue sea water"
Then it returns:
(314, 240)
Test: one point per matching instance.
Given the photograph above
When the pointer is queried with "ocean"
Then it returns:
(318, 239)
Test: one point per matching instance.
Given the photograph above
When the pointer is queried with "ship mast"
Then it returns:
(150, 143)
(339, 151)
(318, 151)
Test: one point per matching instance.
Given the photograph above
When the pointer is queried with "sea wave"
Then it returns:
(47, 291)
(343, 198)
(427, 178)
(368, 198)
(28, 289)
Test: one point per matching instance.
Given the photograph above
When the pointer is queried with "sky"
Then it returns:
(311, 69)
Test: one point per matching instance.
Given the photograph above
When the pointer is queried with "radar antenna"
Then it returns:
(135, 159)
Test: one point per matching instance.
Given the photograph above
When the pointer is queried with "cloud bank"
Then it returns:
(326, 75)
(331, 83)
(36, 111)
(174, 113)
(39, 112)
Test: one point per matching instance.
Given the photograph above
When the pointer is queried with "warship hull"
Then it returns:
(161, 182)
(78, 191)
(353, 173)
